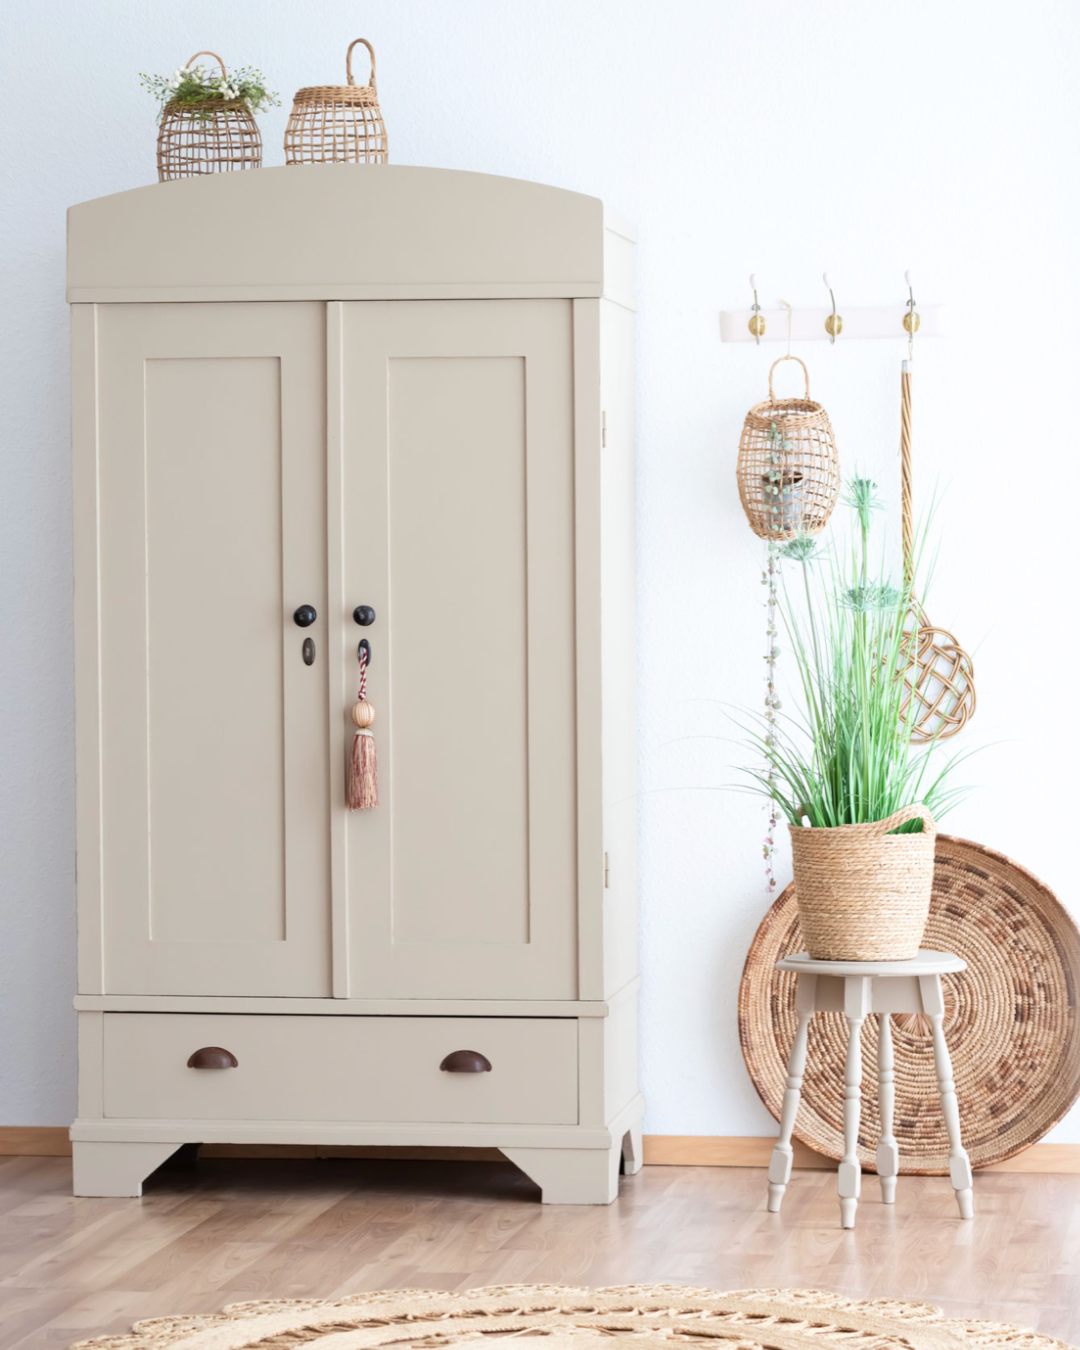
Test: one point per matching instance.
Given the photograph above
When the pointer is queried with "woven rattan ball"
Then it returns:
(788, 470)
(337, 123)
(940, 678)
(212, 137)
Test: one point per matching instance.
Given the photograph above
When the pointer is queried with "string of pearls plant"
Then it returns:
(802, 549)
(769, 576)
(782, 496)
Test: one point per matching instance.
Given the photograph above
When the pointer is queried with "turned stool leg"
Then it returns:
(959, 1163)
(782, 1154)
(849, 1177)
(888, 1152)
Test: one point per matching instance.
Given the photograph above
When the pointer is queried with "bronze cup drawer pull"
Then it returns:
(466, 1061)
(213, 1057)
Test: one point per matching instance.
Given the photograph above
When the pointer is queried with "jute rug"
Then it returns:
(664, 1316)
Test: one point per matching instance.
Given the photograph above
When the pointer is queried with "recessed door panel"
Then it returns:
(214, 760)
(459, 584)
(215, 672)
(457, 457)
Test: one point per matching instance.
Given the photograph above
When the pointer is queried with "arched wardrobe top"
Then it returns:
(346, 232)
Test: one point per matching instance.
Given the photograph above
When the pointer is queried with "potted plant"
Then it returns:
(207, 122)
(860, 802)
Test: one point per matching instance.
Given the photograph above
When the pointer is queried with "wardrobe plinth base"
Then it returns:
(577, 1165)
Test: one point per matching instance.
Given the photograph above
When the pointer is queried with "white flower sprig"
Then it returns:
(196, 87)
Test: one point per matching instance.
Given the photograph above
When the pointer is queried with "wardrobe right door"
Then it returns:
(456, 489)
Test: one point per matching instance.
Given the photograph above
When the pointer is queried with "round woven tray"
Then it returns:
(1011, 1021)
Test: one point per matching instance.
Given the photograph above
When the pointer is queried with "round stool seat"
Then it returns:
(926, 963)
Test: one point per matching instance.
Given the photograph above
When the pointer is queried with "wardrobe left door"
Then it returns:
(207, 779)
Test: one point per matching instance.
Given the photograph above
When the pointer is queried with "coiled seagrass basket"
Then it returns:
(213, 137)
(338, 123)
(863, 893)
(789, 469)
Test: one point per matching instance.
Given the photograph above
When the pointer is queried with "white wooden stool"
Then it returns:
(857, 988)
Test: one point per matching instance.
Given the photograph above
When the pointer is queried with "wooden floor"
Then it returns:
(227, 1229)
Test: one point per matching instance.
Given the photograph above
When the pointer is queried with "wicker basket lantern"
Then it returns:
(788, 471)
(337, 123)
(211, 137)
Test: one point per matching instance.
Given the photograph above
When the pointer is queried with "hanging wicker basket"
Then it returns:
(211, 137)
(789, 470)
(337, 123)
(863, 893)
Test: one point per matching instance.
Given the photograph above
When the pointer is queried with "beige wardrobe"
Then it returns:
(314, 406)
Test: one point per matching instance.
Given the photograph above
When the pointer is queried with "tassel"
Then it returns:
(363, 791)
(363, 768)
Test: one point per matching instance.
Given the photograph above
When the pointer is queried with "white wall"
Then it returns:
(783, 136)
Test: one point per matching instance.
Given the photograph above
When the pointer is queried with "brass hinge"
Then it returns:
(603, 430)
(607, 872)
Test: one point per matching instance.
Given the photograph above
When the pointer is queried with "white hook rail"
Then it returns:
(808, 325)
(785, 324)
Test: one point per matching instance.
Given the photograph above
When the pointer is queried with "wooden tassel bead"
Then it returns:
(363, 714)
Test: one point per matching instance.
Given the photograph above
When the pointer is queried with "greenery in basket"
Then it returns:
(199, 88)
(846, 757)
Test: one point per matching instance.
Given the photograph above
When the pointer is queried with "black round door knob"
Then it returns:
(364, 615)
(305, 616)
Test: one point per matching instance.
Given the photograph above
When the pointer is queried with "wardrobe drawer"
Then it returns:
(341, 1068)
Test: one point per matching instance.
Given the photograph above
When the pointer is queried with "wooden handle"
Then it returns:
(213, 1057)
(466, 1061)
(806, 375)
(217, 58)
(348, 60)
(907, 516)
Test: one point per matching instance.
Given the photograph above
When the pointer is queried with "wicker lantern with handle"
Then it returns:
(215, 136)
(337, 123)
(789, 469)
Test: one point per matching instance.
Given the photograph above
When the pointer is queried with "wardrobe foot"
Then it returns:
(631, 1150)
(109, 1168)
(571, 1176)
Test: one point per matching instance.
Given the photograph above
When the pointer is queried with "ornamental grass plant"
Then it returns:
(845, 757)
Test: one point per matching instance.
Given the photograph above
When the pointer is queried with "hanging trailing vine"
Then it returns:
(777, 447)
(769, 577)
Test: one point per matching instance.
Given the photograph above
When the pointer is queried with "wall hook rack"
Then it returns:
(824, 324)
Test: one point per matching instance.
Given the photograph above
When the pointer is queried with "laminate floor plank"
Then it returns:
(226, 1230)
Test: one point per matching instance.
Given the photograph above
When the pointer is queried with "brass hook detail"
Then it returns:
(911, 318)
(757, 323)
(834, 324)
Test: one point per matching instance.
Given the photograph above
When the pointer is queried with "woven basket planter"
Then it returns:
(863, 893)
(788, 470)
(337, 123)
(211, 137)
